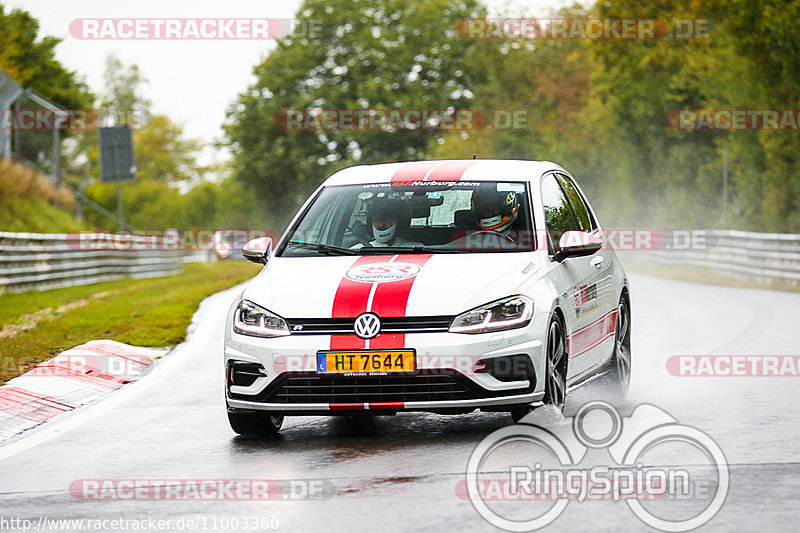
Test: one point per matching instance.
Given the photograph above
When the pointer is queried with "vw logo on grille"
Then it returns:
(367, 325)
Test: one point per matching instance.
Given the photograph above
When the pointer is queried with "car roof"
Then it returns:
(444, 170)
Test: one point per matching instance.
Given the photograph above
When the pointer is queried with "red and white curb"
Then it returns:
(76, 377)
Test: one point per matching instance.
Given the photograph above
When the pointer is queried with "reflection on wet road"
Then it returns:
(401, 473)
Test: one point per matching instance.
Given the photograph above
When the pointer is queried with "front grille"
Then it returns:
(318, 388)
(325, 389)
(344, 326)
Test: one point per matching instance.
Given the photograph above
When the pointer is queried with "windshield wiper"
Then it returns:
(323, 248)
(407, 249)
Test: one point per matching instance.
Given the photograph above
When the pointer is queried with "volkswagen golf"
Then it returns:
(439, 286)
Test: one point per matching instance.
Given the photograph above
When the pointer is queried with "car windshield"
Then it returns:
(417, 217)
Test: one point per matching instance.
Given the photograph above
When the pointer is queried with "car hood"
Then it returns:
(405, 285)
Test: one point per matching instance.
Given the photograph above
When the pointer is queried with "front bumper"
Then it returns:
(439, 355)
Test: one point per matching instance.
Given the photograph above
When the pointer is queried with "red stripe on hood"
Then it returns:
(350, 301)
(391, 299)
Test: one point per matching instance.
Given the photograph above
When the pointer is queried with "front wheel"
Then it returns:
(619, 372)
(254, 423)
(555, 387)
(556, 349)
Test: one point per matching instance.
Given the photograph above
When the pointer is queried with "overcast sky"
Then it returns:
(191, 81)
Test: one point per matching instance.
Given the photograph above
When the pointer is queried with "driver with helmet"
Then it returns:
(384, 215)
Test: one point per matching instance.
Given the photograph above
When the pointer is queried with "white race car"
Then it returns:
(440, 286)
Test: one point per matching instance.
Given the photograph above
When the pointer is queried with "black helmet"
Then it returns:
(495, 210)
(387, 206)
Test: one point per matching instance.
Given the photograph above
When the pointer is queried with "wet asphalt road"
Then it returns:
(401, 473)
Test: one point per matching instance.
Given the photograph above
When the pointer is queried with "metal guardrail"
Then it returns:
(42, 261)
(763, 257)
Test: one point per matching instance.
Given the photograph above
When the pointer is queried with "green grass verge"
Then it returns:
(35, 215)
(143, 312)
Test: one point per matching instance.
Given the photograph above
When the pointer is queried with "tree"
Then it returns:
(374, 54)
(31, 61)
(163, 153)
(764, 37)
(123, 91)
(166, 161)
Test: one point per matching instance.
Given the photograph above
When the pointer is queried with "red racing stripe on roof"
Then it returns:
(450, 171)
(414, 171)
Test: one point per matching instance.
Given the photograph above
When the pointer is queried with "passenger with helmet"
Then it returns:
(494, 213)
(385, 215)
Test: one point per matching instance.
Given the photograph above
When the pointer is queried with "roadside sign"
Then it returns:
(116, 153)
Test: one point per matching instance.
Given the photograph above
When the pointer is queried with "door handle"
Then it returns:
(597, 262)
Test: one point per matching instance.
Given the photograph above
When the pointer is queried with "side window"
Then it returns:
(578, 205)
(558, 214)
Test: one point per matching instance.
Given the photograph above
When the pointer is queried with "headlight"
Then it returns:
(251, 319)
(508, 313)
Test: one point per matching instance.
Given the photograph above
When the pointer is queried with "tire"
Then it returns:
(555, 391)
(254, 423)
(555, 388)
(618, 377)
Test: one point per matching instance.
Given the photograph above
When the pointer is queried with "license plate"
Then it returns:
(365, 362)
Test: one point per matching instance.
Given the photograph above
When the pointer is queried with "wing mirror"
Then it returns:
(258, 250)
(577, 244)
